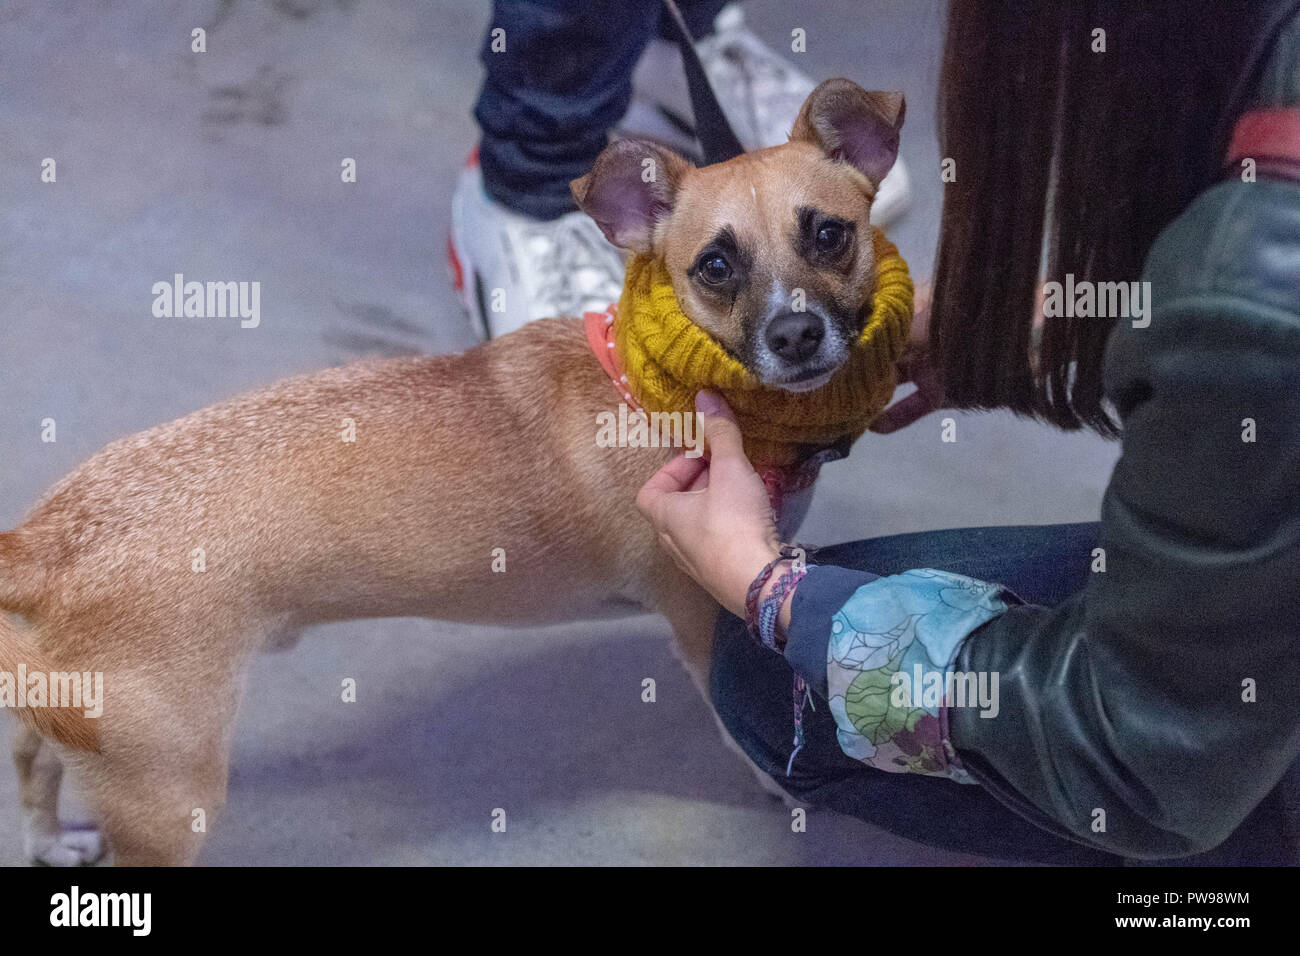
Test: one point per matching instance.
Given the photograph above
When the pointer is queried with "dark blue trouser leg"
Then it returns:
(751, 689)
(563, 82)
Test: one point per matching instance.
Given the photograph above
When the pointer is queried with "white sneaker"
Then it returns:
(760, 91)
(510, 269)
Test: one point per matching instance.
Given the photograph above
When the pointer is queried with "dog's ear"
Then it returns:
(631, 186)
(855, 125)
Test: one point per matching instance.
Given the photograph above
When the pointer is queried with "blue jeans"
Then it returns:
(751, 689)
(563, 82)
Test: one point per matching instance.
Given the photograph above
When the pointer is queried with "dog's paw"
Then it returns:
(74, 846)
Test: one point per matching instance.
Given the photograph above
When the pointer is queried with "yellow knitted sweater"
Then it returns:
(667, 358)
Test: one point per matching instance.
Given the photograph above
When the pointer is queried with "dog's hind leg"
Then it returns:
(157, 806)
(45, 841)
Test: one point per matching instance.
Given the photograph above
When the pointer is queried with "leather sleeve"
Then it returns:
(1163, 702)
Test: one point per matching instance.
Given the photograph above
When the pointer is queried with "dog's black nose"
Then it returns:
(795, 336)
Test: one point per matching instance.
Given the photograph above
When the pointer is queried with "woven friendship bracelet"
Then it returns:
(787, 553)
(751, 596)
(770, 611)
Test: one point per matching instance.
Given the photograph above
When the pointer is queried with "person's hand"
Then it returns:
(712, 515)
(914, 366)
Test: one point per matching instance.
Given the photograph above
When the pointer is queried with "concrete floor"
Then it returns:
(226, 164)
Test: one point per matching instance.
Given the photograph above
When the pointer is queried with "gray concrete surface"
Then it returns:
(226, 164)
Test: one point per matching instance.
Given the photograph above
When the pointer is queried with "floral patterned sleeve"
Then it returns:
(887, 656)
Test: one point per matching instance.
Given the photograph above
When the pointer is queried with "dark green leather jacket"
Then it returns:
(1167, 693)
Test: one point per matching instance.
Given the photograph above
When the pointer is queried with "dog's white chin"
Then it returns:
(807, 385)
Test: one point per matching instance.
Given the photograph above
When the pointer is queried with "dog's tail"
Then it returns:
(68, 725)
(13, 579)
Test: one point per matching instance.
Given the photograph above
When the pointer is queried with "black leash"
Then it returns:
(716, 137)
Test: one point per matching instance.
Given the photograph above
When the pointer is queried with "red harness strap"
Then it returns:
(1271, 137)
(600, 338)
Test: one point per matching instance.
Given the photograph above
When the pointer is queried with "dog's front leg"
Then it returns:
(693, 613)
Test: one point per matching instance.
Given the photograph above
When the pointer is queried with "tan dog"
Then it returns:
(298, 527)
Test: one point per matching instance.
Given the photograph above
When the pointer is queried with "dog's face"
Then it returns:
(770, 252)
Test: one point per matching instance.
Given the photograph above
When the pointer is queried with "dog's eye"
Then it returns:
(714, 269)
(830, 238)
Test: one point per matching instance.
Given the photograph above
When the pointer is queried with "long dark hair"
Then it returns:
(1083, 156)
